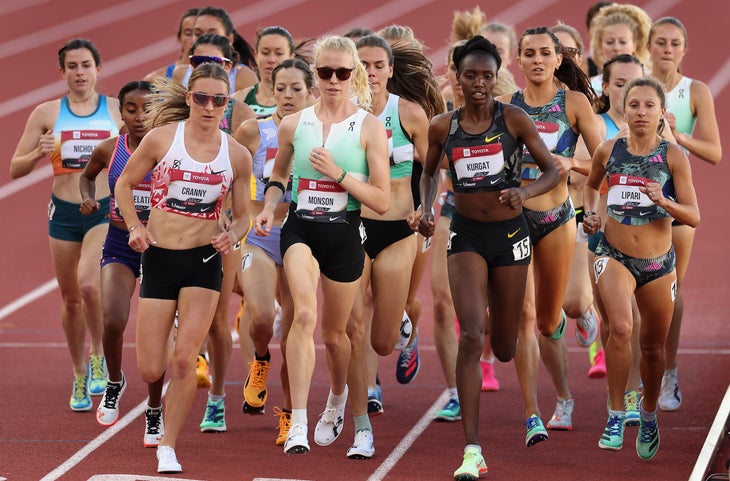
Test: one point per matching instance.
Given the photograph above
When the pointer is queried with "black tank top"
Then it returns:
(485, 162)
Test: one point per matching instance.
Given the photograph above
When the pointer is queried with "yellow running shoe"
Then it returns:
(472, 467)
(202, 371)
(284, 425)
(254, 389)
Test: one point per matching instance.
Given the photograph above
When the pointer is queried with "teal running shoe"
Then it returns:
(450, 412)
(214, 420)
(613, 434)
(535, 431)
(80, 398)
(97, 382)
(647, 442)
(472, 467)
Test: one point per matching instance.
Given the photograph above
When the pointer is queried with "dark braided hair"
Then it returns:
(475, 44)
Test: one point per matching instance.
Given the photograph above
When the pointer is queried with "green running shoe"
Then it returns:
(80, 398)
(97, 382)
(450, 412)
(535, 431)
(214, 420)
(472, 467)
(613, 434)
(647, 441)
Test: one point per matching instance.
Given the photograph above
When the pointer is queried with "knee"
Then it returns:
(333, 340)
(471, 341)
(305, 319)
(442, 304)
(653, 352)
(89, 289)
(114, 324)
(381, 346)
(149, 371)
(181, 364)
(504, 352)
(620, 332)
(261, 323)
(355, 331)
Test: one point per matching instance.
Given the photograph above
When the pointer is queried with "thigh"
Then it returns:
(258, 278)
(196, 307)
(439, 270)
(155, 318)
(302, 273)
(91, 249)
(66, 255)
(656, 305)
(337, 301)
(552, 259)
(683, 237)
(615, 282)
(468, 281)
(390, 281)
(506, 288)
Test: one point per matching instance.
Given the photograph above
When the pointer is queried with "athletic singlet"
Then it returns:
(263, 160)
(679, 104)
(626, 172)
(141, 191)
(182, 185)
(225, 123)
(612, 129)
(261, 111)
(318, 197)
(231, 78)
(400, 147)
(168, 71)
(485, 162)
(554, 127)
(76, 136)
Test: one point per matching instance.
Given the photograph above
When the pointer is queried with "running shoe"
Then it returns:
(363, 447)
(296, 440)
(598, 369)
(97, 381)
(560, 331)
(472, 467)
(409, 362)
(647, 441)
(80, 397)
(586, 328)
(489, 380)
(535, 431)
(562, 419)
(154, 427)
(254, 389)
(450, 412)
(613, 434)
(214, 419)
(331, 421)
(670, 398)
(107, 413)
(406, 329)
(375, 403)
(246, 408)
(631, 406)
(167, 461)
(202, 371)
(284, 425)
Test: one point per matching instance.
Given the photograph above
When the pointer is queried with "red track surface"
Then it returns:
(40, 436)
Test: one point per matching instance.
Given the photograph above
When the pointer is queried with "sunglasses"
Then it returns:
(325, 73)
(202, 99)
(572, 51)
(196, 60)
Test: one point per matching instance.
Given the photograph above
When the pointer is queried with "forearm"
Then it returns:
(22, 165)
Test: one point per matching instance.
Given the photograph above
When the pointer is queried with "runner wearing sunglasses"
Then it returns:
(338, 157)
(193, 165)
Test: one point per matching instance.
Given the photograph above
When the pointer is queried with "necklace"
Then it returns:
(279, 116)
(81, 101)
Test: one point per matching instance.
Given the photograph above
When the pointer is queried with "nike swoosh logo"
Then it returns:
(217, 173)
(643, 213)
(490, 139)
(512, 234)
(206, 259)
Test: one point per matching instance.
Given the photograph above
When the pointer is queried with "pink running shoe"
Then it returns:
(489, 381)
(598, 369)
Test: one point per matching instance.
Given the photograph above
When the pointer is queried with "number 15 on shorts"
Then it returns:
(521, 249)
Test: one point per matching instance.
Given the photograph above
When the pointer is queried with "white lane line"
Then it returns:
(657, 8)
(63, 31)
(26, 299)
(41, 173)
(712, 442)
(9, 6)
(381, 15)
(409, 439)
(135, 477)
(277, 479)
(97, 442)
(719, 81)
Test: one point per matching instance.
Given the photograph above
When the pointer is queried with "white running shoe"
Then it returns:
(406, 328)
(167, 461)
(670, 397)
(563, 417)
(154, 427)
(331, 421)
(107, 413)
(296, 440)
(586, 328)
(363, 447)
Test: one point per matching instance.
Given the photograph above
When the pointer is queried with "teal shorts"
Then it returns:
(65, 222)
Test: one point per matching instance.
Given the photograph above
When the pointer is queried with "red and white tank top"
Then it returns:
(182, 185)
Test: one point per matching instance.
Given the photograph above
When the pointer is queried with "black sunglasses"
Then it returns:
(196, 60)
(325, 73)
(202, 99)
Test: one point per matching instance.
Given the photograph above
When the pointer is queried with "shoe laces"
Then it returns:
(330, 414)
(153, 418)
(111, 395)
(532, 423)
(284, 419)
(79, 387)
(259, 370)
(362, 437)
(452, 405)
(297, 430)
(407, 354)
(559, 409)
(97, 367)
(648, 430)
(211, 411)
(614, 425)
